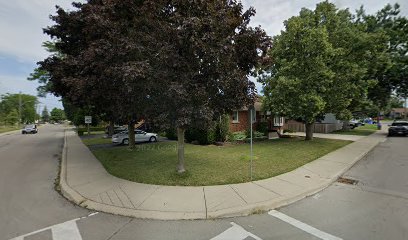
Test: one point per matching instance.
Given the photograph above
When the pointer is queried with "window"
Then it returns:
(235, 117)
(278, 121)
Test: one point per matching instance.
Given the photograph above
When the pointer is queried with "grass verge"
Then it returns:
(155, 163)
(359, 131)
(7, 129)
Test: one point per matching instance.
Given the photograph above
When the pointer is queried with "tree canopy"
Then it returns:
(319, 65)
(175, 62)
(12, 105)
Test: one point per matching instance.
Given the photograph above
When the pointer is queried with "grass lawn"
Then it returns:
(7, 129)
(360, 131)
(155, 163)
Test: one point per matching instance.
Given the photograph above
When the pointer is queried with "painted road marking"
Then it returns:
(303, 226)
(235, 232)
(63, 231)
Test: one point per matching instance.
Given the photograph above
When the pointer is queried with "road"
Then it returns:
(375, 208)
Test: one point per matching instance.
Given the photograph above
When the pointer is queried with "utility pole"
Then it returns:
(19, 109)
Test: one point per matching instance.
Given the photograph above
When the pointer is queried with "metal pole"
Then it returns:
(251, 146)
(19, 109)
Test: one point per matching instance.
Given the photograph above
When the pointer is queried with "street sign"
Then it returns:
(88, 119)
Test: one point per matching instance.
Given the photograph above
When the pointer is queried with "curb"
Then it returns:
(254, 208)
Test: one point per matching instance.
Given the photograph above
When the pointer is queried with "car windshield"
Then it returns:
(29, 126)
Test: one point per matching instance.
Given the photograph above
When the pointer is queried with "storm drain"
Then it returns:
(347, 181)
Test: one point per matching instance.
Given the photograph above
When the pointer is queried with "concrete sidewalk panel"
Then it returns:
(222, 197)
(175, 199)
(327, 169)
(253, 193)
(280, 187)
(137, 193)
(303, 178)
(123, 198)
(97, 187)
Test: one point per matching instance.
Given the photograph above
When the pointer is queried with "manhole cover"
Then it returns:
(347, 181)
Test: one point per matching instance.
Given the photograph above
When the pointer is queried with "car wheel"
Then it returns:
(125, 141)
(153, 139)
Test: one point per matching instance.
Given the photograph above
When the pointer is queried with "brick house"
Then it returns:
(240, 119)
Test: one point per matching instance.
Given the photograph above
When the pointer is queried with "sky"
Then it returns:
(22, 21)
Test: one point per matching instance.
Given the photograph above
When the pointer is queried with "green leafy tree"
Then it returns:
(319, 65)
(392, 73)
(23, 104)
(12, 117)
(57, 115)
(45, 116)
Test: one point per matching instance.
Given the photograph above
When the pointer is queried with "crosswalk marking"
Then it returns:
(235, 232)
(63, 231)
(303, 226)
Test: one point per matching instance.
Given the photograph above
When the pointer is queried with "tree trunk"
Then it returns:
(346, 125)
(111, 128)
(378, 121)
(309, 131)
(180, 148)
(131, 134)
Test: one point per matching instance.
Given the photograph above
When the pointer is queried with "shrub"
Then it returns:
(171, 133)
(262, 127)
(202, 136)
(238, 136)
(222, 128)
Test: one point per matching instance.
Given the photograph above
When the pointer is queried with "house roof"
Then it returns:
(257, 105)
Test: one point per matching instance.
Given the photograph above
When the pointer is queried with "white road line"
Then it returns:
(64, 231)
(235, 232)
(303, 226)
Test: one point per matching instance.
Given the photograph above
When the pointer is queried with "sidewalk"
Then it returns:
(86, 182)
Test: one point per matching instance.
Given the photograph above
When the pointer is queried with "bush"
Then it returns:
(238, 136)
(222, 128)
(262, 127)
(171, 134)
(254, 133)
(202, 136)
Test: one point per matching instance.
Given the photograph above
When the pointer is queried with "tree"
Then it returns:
(319, 65)
(212, 52)
(392, 72)
(45, 116)
(175, 62)
(23, 104)
(57, 115)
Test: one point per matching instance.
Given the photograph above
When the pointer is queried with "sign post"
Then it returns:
(88, 120)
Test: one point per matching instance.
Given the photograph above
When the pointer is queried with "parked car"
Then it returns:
(355, 123)
(31, 128)
(398, 128)
(140, 136)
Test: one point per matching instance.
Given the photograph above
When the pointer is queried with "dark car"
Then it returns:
(398, 128)
(31, 128)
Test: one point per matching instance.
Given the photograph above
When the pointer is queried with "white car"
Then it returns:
(140, 136)
(31, 128)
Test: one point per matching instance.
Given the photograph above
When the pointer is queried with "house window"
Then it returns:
(235, 117)
(278, 121)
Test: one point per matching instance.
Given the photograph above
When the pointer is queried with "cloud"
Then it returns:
(271, 14)
(21, 24)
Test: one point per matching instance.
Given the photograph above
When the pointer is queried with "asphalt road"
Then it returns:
(375, 208)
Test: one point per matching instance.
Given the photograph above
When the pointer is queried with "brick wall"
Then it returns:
(243, 122)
